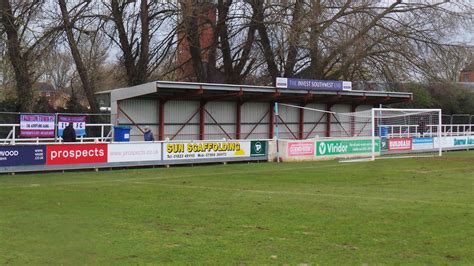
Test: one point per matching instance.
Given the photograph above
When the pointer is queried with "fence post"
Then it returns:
(13, 137)
(56, 127)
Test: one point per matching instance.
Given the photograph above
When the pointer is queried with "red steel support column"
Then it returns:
(353, 110)
(238, 120)
(202, 120)
(271, 122)
(328, 120)
(161, 132)
(301, 124)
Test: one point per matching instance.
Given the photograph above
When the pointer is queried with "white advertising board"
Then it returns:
(423, 144)
(205, 150)
(459, 142)
(134, 152)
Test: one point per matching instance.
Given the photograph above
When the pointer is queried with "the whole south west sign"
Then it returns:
(311, 84)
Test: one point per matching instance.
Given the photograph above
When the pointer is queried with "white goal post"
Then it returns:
(368, 133)
(398, 129)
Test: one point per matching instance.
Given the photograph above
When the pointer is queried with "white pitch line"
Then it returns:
(304, 194)
(469, 168)
(164, 177)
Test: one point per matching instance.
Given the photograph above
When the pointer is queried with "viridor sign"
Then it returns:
(342, 147)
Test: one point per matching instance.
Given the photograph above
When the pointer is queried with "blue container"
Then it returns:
(383, 131)
(122, 133)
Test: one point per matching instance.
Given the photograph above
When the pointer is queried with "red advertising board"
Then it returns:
(400, 144)
(76, 154)
(301, 148)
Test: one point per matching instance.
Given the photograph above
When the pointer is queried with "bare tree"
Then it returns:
(137, 28)
(69, 25)
(27, 39)
(348, 39)
(235, 38)
(216, 41)
(58, 68)
(233, 41)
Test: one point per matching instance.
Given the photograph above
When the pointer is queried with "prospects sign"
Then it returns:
(22, 155)
(136, 152)
(78, 121)
(310, 84)
(399, 144)
(76, 154)
(32, 125)
(205, 150)
(305, 148)
(345, 147)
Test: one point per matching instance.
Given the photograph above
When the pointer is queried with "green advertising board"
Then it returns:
(258, 148)
(342, 147)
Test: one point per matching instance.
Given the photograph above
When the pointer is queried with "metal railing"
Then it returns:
(401, 130)
(430, 131)
(106, 135)
(454, 129)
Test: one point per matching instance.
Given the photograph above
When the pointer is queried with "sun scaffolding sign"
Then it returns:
(342, 147)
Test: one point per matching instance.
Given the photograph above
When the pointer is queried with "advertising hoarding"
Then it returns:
(455, 142)
(422, 143)
(34, 125)
(258, 148)
(345, 147)
(303, 148)
(463, 141)
(78, 121)
(136, 152)
(76, 154)
(22, 155)
(205, 150)
(399, 144)
(310, 84)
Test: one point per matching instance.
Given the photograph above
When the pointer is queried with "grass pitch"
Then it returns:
(400, 211)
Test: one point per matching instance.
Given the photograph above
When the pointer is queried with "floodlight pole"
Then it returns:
(277, 131)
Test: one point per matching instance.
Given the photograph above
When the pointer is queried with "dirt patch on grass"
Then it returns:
(452, 257)
(347, 246)
(260, 228)
(418, 171)
(453, 159)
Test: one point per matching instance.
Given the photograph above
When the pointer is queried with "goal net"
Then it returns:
(406, 132)
(374, 133)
